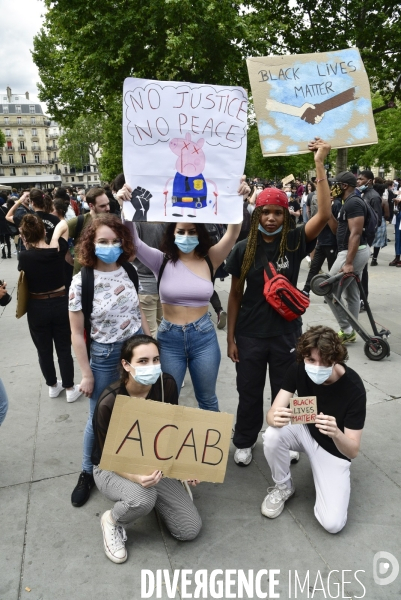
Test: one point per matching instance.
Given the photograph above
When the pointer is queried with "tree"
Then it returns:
(81, 144)
(2, 139)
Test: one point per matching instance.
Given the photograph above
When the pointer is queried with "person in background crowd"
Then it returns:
(396, 262)
(353, 250)
(389, 195)
(114, 205)
(380, 240)
(258, 335)
(60, 208)
(15, 214)
(151, 234)
(105, 246)
(307, 196)
(47, 313)
(99, 204)
(40, 203)
(5, 232)
(136, 495)
(331, 442)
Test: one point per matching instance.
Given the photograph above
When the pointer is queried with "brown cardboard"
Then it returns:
(288, 179)
(182, 442)
(302, 96)
(304, 410)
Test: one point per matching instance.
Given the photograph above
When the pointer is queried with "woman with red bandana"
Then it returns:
(257, 335)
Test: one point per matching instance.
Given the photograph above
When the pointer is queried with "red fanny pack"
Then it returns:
(279, 292)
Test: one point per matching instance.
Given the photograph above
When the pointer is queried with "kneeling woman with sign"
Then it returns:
(331, 442)
(136, 495)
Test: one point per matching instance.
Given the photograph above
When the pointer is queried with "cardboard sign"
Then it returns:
(184, 149)
(304, 410)
(183, 442)
(301, 96)
(288, 179)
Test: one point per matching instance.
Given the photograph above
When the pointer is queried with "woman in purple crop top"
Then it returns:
(186, 334)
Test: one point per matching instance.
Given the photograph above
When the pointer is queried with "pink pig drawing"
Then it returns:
(189, 185)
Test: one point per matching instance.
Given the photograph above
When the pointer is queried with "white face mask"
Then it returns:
(146, 375)
(318, 374)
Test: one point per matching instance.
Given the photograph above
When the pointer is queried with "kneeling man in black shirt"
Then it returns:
(331, 442)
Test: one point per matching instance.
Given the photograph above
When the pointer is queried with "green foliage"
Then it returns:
(81, 143)
(2, 139)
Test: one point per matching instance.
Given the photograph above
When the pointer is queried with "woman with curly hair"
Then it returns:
(186, 334)
(105, 246)
(257, 334)
(47, 312)
(331, 442)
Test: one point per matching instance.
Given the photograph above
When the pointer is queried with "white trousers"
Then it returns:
(331, 475)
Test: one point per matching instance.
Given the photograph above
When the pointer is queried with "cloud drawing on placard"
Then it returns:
(360, 132)
(266, 129)
(293, 148)
(271, 145)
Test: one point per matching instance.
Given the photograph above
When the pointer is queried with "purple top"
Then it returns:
(179, 285)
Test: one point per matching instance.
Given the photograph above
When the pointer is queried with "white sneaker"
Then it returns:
(273, 504)
(114, 538)
(56, 390)
(73, 394)
(308, 259)
(294, 456)
(243, 456)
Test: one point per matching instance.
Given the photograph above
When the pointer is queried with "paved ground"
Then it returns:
(56, 550)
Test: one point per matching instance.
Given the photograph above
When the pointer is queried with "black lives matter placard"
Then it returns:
(299, 97)
(304, 410)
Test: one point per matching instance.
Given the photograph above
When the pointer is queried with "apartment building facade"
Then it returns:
(29, 157)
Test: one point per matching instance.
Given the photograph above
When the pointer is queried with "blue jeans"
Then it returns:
(3, 402)
(104, 362)
(194, 345)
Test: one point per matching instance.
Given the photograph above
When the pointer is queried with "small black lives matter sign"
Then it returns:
(304, 410)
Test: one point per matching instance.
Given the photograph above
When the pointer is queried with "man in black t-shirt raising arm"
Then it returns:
(331, 442)
(353, 250)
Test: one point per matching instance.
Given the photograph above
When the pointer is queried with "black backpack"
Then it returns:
(88, 292)
(371, 222)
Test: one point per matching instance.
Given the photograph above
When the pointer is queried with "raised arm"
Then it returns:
(315, 225)
(61, 230)
(222, 249)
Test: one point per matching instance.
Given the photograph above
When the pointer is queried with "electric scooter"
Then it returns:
(376, 346)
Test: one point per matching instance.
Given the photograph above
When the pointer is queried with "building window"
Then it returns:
(66, 179)
(80, 178)
(55, 155)
(1, 160)
(5, 109)
(65, 169)
(34, 131)
(12, 171)
(6, 120)
(22, 145)
(38, 171)
(1, 171)
(11, 158)
(20, 132)
(16, 98)
(17, 108)
(19, 120)
(73, 179)
(23, 158)
(31, 109)
(35, 146)
(37, 158)
(8, 132)
(33, 121)
(25, 171)
(89, 177)
(9, 145)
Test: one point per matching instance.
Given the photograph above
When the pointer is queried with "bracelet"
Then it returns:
(319, 180)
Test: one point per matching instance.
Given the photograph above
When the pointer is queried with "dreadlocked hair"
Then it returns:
(252, 243)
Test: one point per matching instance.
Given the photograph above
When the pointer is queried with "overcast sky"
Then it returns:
(20, 20)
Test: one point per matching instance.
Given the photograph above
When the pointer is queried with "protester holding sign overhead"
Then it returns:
(331, 442)
(257, 334)
(136, 495)
(184, 270)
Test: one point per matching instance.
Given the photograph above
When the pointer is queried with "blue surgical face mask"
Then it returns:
(108, 254)
(362, 188)
(318, 374)
(263, 230)
(186, 243)
(147, 375)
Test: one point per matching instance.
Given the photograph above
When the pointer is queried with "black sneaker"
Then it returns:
(82, 490)
(373, 262)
